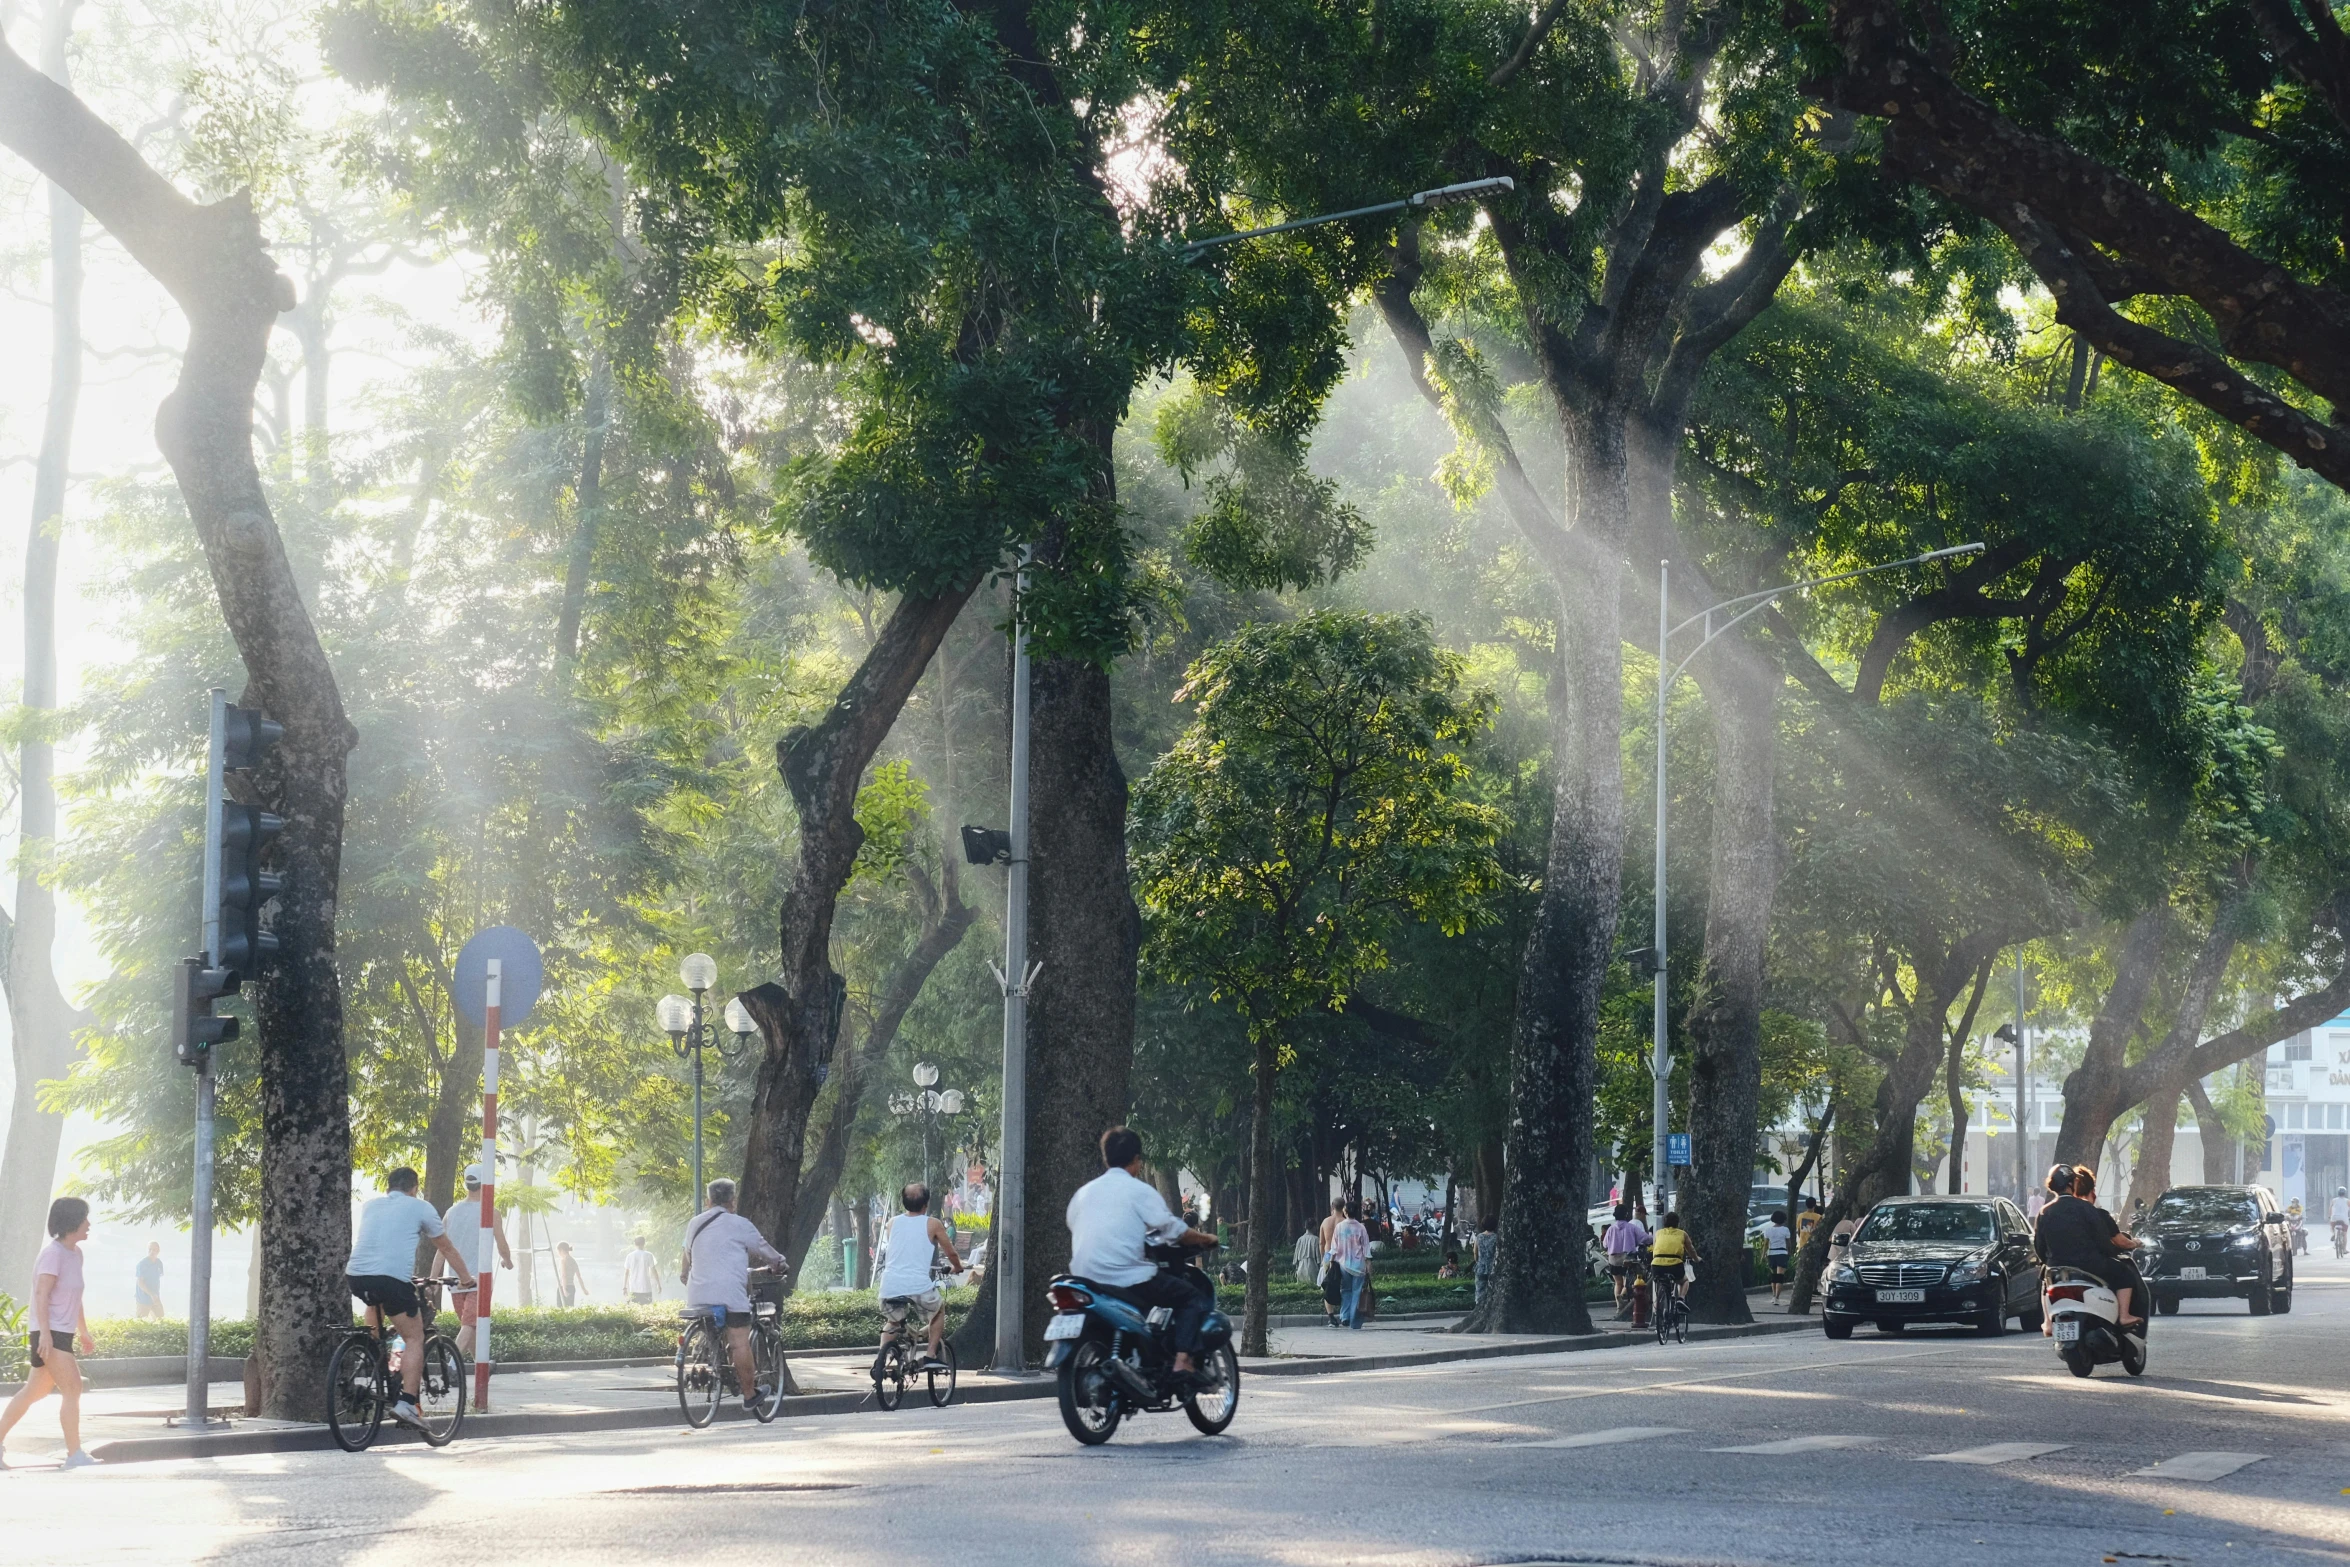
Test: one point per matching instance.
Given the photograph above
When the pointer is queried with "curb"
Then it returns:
(302, 1439)
(1315, 1366)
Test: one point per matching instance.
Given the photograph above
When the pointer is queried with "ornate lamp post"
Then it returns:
(927, 1103)
(683, 1021)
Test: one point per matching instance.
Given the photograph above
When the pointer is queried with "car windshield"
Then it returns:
(1929, 1221)
(2206, 1209)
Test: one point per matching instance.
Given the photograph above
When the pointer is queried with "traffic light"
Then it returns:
(237, 835)
(194, 1030)
(987, 846)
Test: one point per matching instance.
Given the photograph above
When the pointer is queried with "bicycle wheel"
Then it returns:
(889, 1387)
(942, 1383)
(354, 1392)
(767, 1360)
(440, 1391)
(1680, 1320)
(699, 1384)
(1660, 1315)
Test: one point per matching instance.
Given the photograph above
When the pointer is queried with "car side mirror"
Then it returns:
(2272, 1218)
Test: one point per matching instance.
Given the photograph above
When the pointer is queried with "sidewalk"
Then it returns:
(127, 1424)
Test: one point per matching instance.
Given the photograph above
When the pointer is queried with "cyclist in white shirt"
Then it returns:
(916, 1240)
(382, 1272)
(720, 1246)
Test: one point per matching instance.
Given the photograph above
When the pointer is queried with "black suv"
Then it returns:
(2208, 1242)
(1935, 1259)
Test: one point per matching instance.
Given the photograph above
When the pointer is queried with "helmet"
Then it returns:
(2060, 1178)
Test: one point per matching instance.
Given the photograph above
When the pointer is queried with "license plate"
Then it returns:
(1069, 1324)
(1901, 1297)
(2068, 1332)
(2192, 1273)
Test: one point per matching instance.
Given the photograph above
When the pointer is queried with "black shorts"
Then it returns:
(1677, 1272)
(1778, 1265)
(397, 1297)
(59, 1342)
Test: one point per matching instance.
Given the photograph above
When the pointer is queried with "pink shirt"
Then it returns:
(65, 1298)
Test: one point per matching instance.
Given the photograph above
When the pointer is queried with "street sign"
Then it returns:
(1676, 1147)
(520, 975)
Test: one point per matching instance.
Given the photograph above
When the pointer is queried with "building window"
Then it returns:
(2296, 1118)
(2297, 1049)
(2333, 1118)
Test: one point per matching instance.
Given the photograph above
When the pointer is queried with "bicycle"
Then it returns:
(705, 1367)
(363, 1377)
(1668, 1310)
(901, 1363)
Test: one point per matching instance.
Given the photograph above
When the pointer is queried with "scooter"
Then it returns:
(2085, 1320)
(1113, 1359)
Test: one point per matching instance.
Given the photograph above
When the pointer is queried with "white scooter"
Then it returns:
(2085, 1320)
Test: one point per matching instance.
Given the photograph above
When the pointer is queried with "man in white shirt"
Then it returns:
(720, 1247)
(640, 1274)
(463, 1221)
(1112, 1217)
(383, 1266)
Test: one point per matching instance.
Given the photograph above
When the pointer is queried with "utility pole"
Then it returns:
(2023, 1101)
(1008, 1222)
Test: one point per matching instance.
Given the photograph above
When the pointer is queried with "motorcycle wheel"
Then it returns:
(2076, 1361)
(1089, 1404)
(1212, 1412)
(2133, 1360)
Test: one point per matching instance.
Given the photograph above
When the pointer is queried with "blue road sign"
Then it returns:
(1676, 1147)
(520, 975)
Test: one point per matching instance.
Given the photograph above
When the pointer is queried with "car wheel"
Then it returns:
(2168, 1305)
(2259, 1300)
(1835, 1327)
(2281, 1300)
(1993, 1320)
(2032, 1321)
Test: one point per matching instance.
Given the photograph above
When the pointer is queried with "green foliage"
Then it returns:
(1314, 807)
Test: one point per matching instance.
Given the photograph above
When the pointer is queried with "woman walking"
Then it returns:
(58, 1322)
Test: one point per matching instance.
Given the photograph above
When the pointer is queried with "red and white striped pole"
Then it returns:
(486, 1249)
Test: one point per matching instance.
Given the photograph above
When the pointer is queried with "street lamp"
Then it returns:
(682, 1021)
(927, 1104)
(1741, 608)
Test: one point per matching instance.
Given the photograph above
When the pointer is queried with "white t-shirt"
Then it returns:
(2340, 1210)
(1776, 1239)
(383, 1243)
(720, 1249)
(640, 1273)
(464, 1225)
(1110, 1218)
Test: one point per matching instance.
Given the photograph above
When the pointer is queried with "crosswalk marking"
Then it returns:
(2201, 1466)
(1799, 1444)
(1610, 1437)
(1995, 1453)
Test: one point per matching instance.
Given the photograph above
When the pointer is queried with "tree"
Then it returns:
(1313, 808)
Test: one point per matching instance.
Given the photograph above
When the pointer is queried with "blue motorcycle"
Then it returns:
(1113, 1359)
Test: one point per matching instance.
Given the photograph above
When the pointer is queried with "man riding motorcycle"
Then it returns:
(1111, 1219)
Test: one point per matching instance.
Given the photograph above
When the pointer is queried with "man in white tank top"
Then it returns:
(905, 1283)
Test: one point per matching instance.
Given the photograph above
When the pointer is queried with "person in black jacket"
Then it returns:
(2073, 1232)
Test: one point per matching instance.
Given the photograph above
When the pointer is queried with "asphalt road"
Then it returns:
(1922, 1448)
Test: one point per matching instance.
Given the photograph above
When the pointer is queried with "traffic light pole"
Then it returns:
(199, 1408)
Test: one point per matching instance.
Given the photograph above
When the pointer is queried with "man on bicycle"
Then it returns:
(382, 1272)
(1670, 1254)
(720, 1247)
(916, 1239)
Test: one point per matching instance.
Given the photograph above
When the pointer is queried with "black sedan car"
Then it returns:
(1935, 1259)
(2217, 1242)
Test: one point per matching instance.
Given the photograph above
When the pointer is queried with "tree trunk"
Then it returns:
(945, 918)
(1537, 1283)
(1082, 926)
(216, 268)
(1256, 1315)
(456, 1110)
(588, 509)
(1486, 1165)
(798, 1012)
(1725, 1019)
(2092, 1088)
(2219, 1149)
(41, 1023)
(1811, 1158)
(2157, 1135)
(1954, 1090)
(862, 1209)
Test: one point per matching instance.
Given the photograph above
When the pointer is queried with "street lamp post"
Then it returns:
(682, 1020)
(1735, 611)
(927, 1104)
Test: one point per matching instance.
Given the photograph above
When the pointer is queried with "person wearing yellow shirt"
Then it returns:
(1670, 1253)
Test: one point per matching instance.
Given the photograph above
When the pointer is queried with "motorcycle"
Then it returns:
(2300, 1234)
(2085, 1320)
(1113, 1359)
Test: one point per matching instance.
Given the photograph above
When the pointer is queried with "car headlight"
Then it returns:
(1970, 1269)
(2248, 1241)
(1842, 1273)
